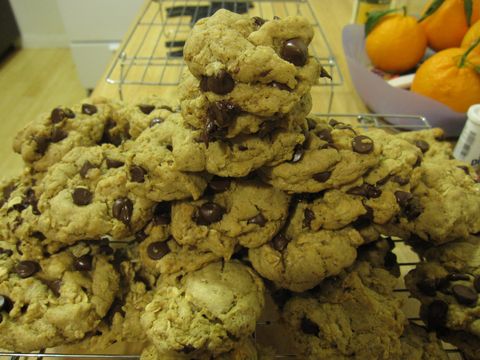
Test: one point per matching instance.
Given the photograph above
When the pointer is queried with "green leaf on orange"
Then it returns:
(431, 9)
(468, 5)
(374, 17)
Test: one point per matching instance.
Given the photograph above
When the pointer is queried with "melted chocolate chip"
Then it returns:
(258, 219)
(437, 314)
(105, 249)
(309, 327)
(367, 190)
(58, 135)
(298, 153)
(418, 162)
(427, 287)
(146, 109)
(7, 191)
(333, 122)
(280, 242)
(89, 109)
(422, 145)
(187, 349)
(82, 196)
(57, 115)
(54, 285)
(87, 165)
(400, 181)
(308, 217)
(362, 144)
(312, 124)
(157, 250)
(156, 121)
(114, 164)
(116, 307)
(7, 252)
(324, 73)
(390, 260)
(38, 235)
(457, 277)
(162, 214)
(412, 209)
(27, 268)
(465, 169)
(221, 83)
(219, 184)
(326, 135)
(83, 263)
(364, 220)
(42, 144)
(6, 304)
(322, 176)
(258, 21)
(279, 86)
(295, 51)
(137, 174)
(223, 112)
(209, 213)
(403, 198)
(122, 210)
(464, 294)
(69, 113)
(476, 283)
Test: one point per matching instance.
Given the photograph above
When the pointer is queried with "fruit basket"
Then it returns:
(380, 97)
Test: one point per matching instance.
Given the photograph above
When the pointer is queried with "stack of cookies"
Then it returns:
(166, 225)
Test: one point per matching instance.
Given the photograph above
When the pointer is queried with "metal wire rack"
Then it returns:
(270, 324)
(152, 52)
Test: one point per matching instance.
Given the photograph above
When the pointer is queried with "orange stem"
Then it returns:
(463, 59)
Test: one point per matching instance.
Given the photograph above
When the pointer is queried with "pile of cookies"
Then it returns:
(168, 224)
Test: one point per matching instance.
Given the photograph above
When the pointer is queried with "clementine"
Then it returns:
(396, 43)
(472, 34)
(451, 76)
(446, 21)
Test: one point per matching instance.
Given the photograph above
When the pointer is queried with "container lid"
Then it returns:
(474, 114)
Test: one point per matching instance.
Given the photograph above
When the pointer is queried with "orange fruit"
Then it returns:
(472, 34)
(396, 43)
(447, 25)
(451, 77)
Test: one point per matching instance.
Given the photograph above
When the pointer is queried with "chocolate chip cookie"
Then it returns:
(348, 317)
(55, 300)
(218, 306)
(233, 212)
(430, 142)
(418, 344)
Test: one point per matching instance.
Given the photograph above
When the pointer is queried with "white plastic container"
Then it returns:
(468, 145)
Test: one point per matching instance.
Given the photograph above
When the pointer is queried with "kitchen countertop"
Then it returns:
(332, 17)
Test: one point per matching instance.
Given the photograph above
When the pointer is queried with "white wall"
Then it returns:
(40, 23)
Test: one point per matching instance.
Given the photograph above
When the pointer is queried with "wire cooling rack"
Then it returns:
(152, 53)
(270, 325)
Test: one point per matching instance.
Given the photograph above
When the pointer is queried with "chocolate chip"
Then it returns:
(367, 190)
(157, 250)
(258, 21)
(156, 121)
(258, 219)
(219, 184)
(140, 236)
(322, 176)
(146, 109)
(42, 144)
(6, 304)
(437, 314)
(83, 263)
(279, 86)
(403, 198)
(412, 209)
(464, 294)
(27, 268)
(418, 162)
(298, 153)
(326, 135)
(89, 109)
(58, 135)
(465, 169)
(7, 191)
(400, 181)
(362, 144)
(295, 51)
(221, 83)
(333, 122)
(69, 113)
(105, 249)
(82, 196)
(324, 73)
(309, 327)
(137, 174)
(122, 210)
(457, 277)
(57, 115)
(114, 164)
(308, 217)
(443, 285)
(38, 235)
(87, 165)
(280, 242)
(427, 287)
(116, 307)
(312, 124)
(222, 112)
(187, 349)
(7, 252)
(54, 285)
(476, 283)
(209, 213)
(242, 148)
(162, 214)
(422, 145)
(390, 260)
